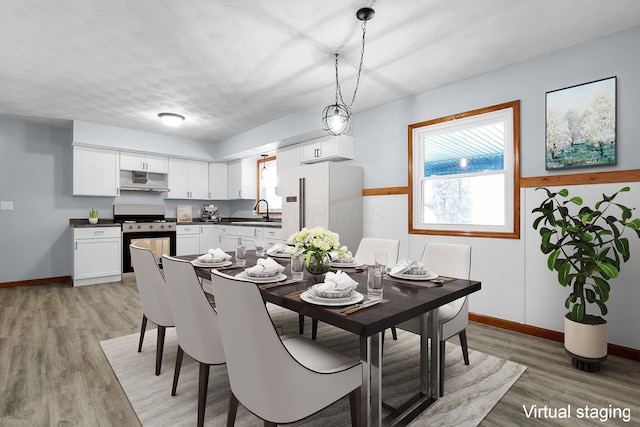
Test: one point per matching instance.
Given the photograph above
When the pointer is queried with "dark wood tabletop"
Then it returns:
(402, 300)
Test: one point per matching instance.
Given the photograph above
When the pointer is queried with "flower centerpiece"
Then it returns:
(317, 245)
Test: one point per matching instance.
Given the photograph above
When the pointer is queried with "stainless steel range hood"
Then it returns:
(140, 182)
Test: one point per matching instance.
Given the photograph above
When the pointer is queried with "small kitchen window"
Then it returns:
(268, 185)
(464, 174)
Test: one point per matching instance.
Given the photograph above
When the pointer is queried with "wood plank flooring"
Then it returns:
(53, 371)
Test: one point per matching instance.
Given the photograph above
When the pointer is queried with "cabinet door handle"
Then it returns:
(239, 193)
(76, 246)
(319, 152)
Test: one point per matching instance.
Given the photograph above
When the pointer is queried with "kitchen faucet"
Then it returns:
(266, 217)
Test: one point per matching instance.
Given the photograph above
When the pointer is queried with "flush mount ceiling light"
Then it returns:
(336, 118)
(171, 119)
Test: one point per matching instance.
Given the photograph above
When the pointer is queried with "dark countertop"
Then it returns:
(84, 222)
(235, 221)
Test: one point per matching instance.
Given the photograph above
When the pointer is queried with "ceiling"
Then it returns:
(231, 65)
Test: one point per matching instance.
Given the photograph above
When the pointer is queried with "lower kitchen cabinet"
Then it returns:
(187, 240)
(97, 255)
(209, 237)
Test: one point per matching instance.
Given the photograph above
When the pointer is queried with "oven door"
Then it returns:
(158, 242)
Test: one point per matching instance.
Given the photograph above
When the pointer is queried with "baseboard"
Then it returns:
(35, 282)
(612, 349)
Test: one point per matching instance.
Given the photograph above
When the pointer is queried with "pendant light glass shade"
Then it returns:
(336, 119)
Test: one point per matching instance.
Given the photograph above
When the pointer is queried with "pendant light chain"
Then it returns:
(338, 88)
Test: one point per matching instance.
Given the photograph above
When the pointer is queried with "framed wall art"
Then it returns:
(581, 125)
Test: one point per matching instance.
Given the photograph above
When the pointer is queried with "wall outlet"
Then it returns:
(6, 205)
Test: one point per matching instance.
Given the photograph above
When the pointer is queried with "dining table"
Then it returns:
(402, 300)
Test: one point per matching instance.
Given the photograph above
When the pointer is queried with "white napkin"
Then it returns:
(265, 265)
(278, 248)
(338, 281)
(216, 254)
(405, 265)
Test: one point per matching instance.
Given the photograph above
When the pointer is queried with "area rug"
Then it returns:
(470, 391)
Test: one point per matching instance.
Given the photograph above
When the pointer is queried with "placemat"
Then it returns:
(422, 283)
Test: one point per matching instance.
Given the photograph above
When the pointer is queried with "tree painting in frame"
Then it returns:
(581, 125)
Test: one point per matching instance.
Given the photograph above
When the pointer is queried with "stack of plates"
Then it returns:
(311, 297)
(223, 263)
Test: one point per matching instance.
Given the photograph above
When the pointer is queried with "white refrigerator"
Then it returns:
(324, 194)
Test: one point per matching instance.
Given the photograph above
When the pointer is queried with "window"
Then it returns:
(267, 185)
(464, 174)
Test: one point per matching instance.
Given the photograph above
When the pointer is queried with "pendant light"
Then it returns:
(336, 118)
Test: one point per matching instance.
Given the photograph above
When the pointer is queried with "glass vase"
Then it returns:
(318, 264)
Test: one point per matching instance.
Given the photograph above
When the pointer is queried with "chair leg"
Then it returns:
(314, 329)
(442, 349)
(463, 343)
(176, 371)
(142, 329)
(301, 324)
(233, 410)
(160, 348)
(394, 333)
(270, 424)
(354, 403)
(203, 383)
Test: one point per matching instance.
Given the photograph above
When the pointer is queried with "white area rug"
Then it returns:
(470, 391)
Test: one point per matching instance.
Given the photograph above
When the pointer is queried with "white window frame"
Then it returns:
(509, 114)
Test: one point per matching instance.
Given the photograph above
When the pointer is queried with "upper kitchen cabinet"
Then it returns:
(243, 176)
(143, 162)
(286, 157)
(188, 179)
(218, 181)
(96, 172)
(328, 148)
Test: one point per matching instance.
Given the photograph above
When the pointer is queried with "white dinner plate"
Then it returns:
(311, 297)
(279, 255)
(345, 264)
(277, 278)
(211, 264)
(430, 275)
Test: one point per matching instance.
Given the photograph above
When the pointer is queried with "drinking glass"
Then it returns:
(241, 255)
(297, 267)
(381, 262)
(260, 248)
(374, 282)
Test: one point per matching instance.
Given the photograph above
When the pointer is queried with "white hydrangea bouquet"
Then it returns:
(316, 245)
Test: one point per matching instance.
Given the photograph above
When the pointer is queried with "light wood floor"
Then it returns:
(53, 371)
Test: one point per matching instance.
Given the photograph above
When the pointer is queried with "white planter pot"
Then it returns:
(93, 220)
(585, 340)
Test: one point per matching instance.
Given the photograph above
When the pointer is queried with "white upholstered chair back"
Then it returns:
(152, 289)
(197, 327)
(264, 375)
(370, 246)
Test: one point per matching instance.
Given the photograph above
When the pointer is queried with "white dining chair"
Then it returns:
(451, 260)
(197, 327)
(281, 379)
(366, 254)
(154, 298)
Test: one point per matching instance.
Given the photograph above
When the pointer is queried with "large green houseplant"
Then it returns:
(586, 247)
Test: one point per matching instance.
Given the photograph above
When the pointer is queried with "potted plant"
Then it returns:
(317, 245)
(586, 248)
(93, 216)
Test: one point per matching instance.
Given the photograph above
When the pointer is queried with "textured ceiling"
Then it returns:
(232, 65)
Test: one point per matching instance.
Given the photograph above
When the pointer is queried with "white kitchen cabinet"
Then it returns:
(209, 237)
(96, 172)
(188, 179)
(218, 181)
(272, 236)
(340, 147)
(143, 162)
(242, 178)
(97, 255)
(231, 235)
(286, 157)
(187, 240)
